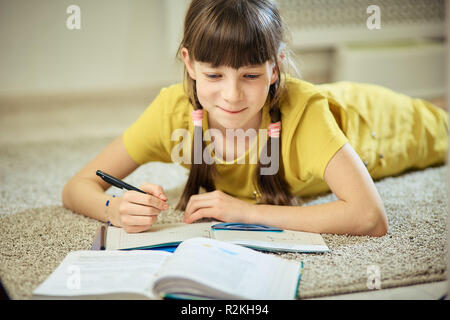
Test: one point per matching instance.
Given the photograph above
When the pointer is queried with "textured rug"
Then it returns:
(36, 233)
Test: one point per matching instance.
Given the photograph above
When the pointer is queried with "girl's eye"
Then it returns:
(212, 76)
(217, 76)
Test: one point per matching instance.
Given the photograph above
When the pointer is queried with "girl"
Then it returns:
(334, 137)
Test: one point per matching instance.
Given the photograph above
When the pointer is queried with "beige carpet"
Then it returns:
(36, 232)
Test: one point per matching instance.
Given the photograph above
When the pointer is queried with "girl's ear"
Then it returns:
(274, 76)
(188, 63)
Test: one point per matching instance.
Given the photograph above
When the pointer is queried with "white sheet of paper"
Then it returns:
(280, 241)
(118, 238)
(103, 272)
(233, 269)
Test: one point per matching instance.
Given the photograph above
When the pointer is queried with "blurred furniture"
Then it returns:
(399, 55)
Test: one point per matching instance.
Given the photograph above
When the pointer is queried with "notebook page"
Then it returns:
(83, 273)
(233, 269)
(287, 240)
(118, 238)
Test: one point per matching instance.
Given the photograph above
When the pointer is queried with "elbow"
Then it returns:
(377, 224)
(65, 195)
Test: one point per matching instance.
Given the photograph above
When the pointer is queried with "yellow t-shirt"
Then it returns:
(316, 122)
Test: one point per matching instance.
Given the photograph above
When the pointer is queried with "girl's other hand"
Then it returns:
(217, 205)
(138, 211)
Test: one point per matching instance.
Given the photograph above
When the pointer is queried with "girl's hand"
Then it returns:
(217, 205)
(138, 211)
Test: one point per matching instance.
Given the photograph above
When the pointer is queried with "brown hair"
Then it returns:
(242, 32)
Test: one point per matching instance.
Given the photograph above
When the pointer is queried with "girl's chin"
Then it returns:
(230, 124)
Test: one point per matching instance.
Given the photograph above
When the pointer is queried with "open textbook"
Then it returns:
(165, 235)
(199, 268)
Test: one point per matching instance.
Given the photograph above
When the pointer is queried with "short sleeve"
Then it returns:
(144, 139)
(316, 139)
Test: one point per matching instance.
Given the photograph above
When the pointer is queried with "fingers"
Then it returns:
(139, 221)
(148, 200)
(200, 214)
(136, 229)
(195, 204)
(138, 211)
(154, 189)
(196, 208)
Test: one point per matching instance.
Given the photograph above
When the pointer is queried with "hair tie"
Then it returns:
(197, 117)
(274, 129)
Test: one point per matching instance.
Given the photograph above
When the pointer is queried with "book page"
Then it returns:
(287, 240)
(118, 238)
(84, 273)
(231, 269)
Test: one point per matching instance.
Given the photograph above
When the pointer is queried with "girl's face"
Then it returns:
(232, 97)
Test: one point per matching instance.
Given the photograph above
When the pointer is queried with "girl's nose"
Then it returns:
(231, 92)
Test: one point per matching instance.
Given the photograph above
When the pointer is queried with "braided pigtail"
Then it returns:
(201, 174)
(273, 189)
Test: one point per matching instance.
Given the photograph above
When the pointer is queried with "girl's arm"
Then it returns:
(84, 193)
(358, 210)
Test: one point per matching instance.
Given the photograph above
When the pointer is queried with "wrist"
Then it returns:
(112, 214)
(251, 213)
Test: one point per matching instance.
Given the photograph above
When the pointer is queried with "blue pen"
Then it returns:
(244, 227)
(116, 182)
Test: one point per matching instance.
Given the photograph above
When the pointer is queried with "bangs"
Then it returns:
(234, 37)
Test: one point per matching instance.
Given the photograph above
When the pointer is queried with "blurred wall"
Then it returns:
(120, 45)
(131, 44)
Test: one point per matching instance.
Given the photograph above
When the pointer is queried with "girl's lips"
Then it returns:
(231, 112)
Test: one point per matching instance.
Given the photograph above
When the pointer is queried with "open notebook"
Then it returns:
(166, 235)
(200, 268)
